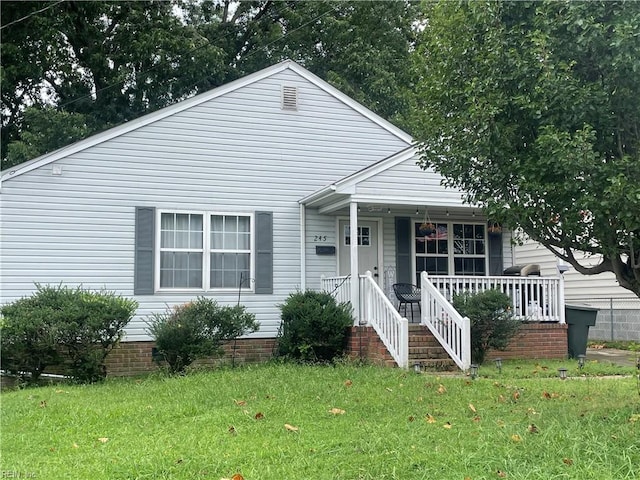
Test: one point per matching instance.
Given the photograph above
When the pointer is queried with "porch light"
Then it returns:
(416, 367)
(499, 364)
(473, 370)
(417, 212)
(562, 373)
(388, 210)
(581, 359)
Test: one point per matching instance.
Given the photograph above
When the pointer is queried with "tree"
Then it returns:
(113, 61)
(533, 109)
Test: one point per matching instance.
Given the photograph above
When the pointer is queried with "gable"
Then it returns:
(239, 97)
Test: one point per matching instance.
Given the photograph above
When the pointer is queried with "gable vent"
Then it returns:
(289, 97)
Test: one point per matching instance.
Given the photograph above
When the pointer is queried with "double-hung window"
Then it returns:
(205, 251)
(451, 248)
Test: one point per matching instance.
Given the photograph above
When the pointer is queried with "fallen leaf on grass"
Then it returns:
(442, 389)
(43, 404)
(476, 418)
(447, 425)
(259, 416)
(515, 395)
(634, 418)
(472, 408)
(61, 391)
(389, 390)
(412, 418)
(567, 461)
(337, 411)
(429, 418)
(232, 430)
(291, 428)
(240, 402)
(546, 395)
(516, 438)
(533, 429)
(348, 383)
(501, 474)
(103, 439)
(237, 476)
(501, 399)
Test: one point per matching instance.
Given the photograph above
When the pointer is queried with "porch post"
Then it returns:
(355, 279)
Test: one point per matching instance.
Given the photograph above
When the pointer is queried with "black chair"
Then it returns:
(407, 294)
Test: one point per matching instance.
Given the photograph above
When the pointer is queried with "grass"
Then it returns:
(345, 422)
(619, 344)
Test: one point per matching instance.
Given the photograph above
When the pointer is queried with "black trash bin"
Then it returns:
(579, 319)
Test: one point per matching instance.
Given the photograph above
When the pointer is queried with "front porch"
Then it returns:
(538, 301)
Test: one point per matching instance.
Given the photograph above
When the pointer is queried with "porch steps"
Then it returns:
(426, 351)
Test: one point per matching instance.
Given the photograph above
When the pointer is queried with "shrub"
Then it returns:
(196, 330)
(314, 327)
(73, 328)
(492, 321)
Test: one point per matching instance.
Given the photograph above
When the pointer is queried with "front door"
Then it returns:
(367, 239)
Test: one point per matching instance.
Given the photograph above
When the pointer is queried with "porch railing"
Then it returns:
(539, 299)
(377, 311)
(449, 327)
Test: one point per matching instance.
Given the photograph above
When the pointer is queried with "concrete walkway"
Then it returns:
(625, 358)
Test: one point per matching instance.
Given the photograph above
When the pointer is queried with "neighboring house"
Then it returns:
(245, 193)
(619, 309)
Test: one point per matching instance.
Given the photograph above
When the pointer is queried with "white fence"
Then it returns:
(377, 311)
(451, 329)
(539, 299)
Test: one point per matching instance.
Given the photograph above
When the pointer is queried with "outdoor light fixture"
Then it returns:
(417, 212)
(499, 364)
(581, 359)
(389, 210)
(473, 370)
(416, 367)
(562, 373)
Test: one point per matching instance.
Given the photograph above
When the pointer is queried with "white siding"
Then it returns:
(584, 289)
(238, 152)
(408, 180)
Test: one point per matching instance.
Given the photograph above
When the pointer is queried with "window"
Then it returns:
(451, 248)
(364, 236)
(205, 251)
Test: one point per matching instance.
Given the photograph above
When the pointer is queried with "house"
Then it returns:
(618, 316)
(272, 183)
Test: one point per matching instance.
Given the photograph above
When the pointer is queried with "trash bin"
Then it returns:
(579, 319)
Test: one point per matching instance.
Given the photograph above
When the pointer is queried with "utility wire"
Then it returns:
(31, 14)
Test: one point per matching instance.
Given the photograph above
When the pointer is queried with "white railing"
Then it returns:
(451, 329)
(538, 299)
(377, 311)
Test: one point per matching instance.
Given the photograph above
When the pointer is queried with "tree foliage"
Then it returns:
(533, 108)
(107, 62)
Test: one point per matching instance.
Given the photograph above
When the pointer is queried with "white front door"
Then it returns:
(367, 239)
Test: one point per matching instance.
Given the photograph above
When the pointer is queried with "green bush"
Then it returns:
(196, 330)
(71, 328)
(314, 327)
(492, 322)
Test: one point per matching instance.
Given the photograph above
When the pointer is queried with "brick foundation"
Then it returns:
(134, 358)
(534, 340)
(364, 344)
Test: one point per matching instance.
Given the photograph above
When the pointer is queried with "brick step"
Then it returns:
(431, 364)
(427, 352)
(422, 341)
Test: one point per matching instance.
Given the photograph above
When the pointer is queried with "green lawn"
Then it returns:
(345, 422)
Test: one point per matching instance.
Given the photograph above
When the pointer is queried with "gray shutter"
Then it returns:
(143, 283)
(495, 254)
(264, 253)
(403, 250)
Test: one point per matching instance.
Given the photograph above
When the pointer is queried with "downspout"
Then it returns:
(355, 278)
(303, 248)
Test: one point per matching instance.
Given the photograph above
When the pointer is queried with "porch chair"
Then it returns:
(407, 294)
